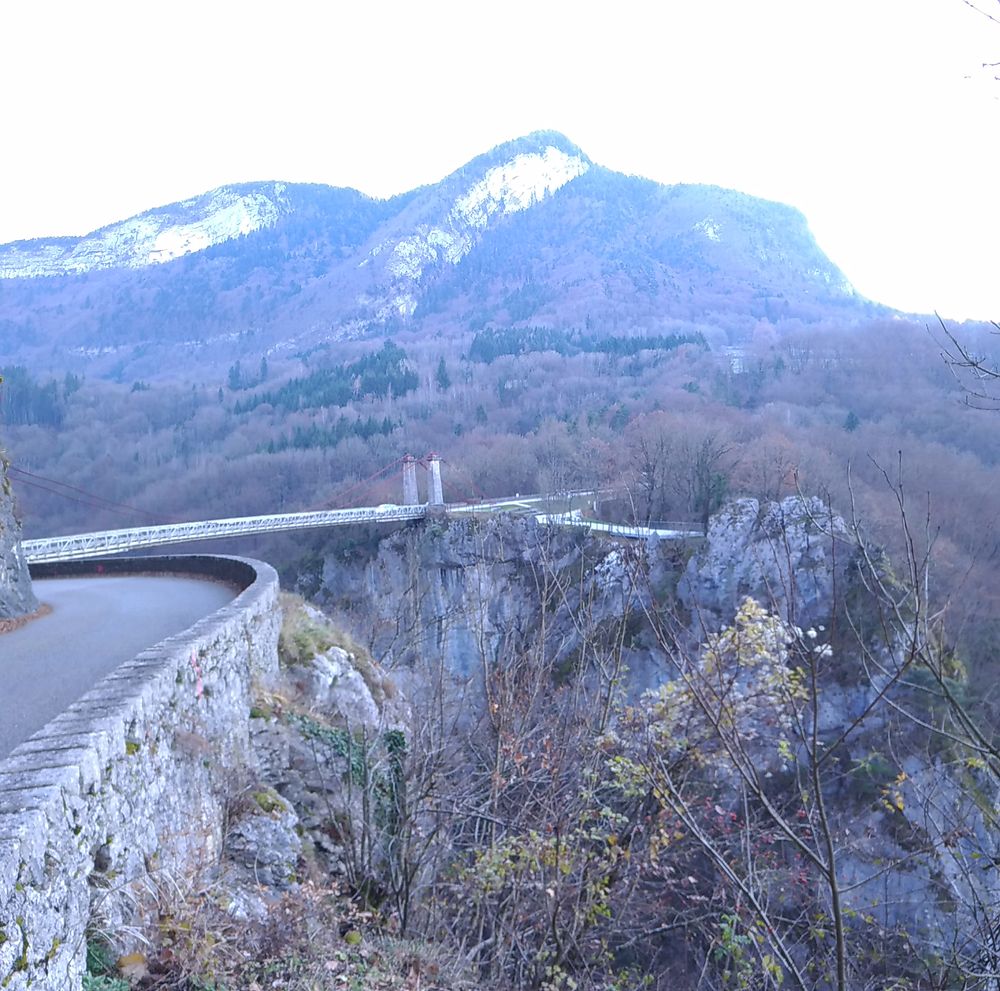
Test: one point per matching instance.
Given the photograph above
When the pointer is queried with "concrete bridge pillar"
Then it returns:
(410, 497)
(435, 496)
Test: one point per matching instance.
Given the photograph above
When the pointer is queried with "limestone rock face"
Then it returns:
(331, 734)
(470, 594)
(16, 597)
(785, 555)
(262, 838)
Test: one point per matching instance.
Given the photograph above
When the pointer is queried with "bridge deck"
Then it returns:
(79, 546)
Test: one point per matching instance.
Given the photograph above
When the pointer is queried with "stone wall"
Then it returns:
(16, 598)
(123, 796)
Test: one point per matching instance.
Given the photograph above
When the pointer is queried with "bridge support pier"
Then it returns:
(435, 497)
(410, 497)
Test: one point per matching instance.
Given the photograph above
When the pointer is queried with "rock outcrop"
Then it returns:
(16, 597)
(787, 555)
(470, 592)
(464, 595)
(328, 737)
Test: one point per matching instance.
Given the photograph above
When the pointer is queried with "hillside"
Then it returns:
(533, 233)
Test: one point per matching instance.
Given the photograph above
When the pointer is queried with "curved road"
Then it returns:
(95, 625)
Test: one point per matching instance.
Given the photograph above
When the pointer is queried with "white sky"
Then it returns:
(874, 117)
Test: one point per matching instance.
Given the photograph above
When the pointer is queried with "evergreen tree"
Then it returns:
(442, 377)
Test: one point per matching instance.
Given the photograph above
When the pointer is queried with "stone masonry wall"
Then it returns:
(122, 797)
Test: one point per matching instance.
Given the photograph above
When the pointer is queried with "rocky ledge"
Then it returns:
(16, 597)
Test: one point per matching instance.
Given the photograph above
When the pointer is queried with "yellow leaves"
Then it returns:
(892, 797)
(771, 967)
(785, 751)
(739, 689)
(133, 966)
(629, 777)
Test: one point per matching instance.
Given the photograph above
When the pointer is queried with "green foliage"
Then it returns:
(104, 982)
(871, 775)
(269, 801)
(376, 374)
(101, 973)
(239, 379)
(700, 717)
(734, 952)
(301, 638)
(316, 436)
(339, 741)
(562, 880)
(71, 383)
(441, 376)
(488, 345)
(25, 401)
(304, 636)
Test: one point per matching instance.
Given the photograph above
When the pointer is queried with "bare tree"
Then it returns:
(977, 373)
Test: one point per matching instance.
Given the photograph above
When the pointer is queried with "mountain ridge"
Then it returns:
(532, 232)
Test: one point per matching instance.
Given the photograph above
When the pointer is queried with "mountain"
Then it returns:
(154, 237)
(533, 233)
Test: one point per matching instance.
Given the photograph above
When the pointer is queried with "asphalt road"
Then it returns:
(95, 625)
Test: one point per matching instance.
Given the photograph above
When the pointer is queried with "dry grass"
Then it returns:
(6, 625)
(303, 637)
(313, 939)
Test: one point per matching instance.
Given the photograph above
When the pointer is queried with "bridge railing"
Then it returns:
(576, 519)
(80, 546)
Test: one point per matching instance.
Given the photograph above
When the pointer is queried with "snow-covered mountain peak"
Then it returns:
(230, 214)
(153, 237)
(517, 184)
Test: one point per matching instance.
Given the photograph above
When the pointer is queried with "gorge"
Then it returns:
(490, 752)
(696, 686)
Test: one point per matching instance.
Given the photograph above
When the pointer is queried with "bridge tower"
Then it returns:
(435, 497)
(410, 497)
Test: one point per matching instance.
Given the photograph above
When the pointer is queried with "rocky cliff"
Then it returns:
(787, 555)
(907, 815)
(16, 597)
(465, 595)
(468, 592)
(328, 733)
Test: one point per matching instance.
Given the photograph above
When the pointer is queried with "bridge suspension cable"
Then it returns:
(347, 493)
(91, 499)
(476, 494)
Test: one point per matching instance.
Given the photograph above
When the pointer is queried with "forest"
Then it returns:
(885, 425)
(824, 410)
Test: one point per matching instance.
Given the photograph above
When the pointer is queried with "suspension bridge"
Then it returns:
(103, 543)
